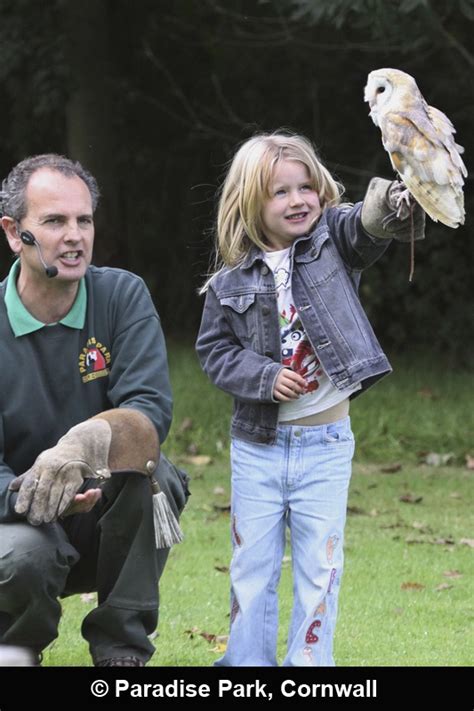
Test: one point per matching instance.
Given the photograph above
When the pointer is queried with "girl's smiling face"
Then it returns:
(293, 206)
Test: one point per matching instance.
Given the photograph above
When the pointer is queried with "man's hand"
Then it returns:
(288, 385)
(83, 503)
(49, 488)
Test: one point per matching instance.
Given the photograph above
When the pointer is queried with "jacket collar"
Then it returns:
(256, 254)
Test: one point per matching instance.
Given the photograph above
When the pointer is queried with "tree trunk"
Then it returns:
(89, 116)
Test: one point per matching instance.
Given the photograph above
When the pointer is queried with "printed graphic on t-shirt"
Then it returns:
(296, 351)
(282, 278)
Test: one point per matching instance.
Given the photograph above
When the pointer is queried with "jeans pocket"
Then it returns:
(339, 432)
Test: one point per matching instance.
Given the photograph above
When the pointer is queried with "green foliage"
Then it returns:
(186, 82)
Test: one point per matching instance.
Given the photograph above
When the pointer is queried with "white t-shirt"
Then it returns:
(297, 352)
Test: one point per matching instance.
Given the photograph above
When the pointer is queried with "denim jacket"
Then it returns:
(239, 339)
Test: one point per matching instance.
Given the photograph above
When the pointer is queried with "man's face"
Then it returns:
(59, 214)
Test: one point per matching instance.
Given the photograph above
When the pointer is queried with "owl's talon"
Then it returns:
(404, 204)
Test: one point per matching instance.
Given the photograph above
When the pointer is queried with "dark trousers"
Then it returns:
(110, 550)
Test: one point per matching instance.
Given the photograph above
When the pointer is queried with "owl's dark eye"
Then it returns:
(380, 90)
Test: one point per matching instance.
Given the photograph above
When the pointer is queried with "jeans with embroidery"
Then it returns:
(301, 482)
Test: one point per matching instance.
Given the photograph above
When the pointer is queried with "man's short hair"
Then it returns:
(13, 193)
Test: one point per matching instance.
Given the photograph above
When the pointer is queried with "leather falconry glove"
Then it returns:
(116, 440)
(386, 216)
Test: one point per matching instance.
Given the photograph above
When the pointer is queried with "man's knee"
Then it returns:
(32, 559)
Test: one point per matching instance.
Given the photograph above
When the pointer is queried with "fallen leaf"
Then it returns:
(421, 527)
(444, 542)
(192, 448)
(374, 512)
(412, 586)
(452, 574)
(286, 560)
(192, 632)
(455, 495)
(356, 510)
(426, 392)
(221, 568)
(443, 586)
(410, 499)
(434, 459)
(88, 597)
(220, 445)
(219, 491)
(467, 542)
(391, 468)
(186, 424)
(208, 636)
(199, 460)
(469, 461)
(221, 507)
(219, 648)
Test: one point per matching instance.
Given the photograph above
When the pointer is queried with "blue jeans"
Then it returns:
(301, 481)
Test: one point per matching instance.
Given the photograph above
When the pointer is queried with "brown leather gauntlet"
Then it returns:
(134, 444)
(112, 441)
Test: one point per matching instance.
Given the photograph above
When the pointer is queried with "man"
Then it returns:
(77, 342)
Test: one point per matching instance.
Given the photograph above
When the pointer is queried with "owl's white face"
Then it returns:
(377, 93)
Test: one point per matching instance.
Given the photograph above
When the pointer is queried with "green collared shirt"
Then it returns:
(22, 322)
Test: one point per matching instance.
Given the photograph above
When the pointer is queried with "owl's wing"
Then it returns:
(446, 130)
(422, 150)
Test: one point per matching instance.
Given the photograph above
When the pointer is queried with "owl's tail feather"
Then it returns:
(443, 203)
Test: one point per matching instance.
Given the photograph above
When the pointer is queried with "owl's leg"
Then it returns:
(404, 204)
(399, 199)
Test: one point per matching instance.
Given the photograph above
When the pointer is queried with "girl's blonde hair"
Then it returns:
(247, 185)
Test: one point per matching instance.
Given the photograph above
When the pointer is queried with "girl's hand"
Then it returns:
(288, 385)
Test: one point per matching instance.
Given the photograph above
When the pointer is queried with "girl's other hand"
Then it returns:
(288, 385)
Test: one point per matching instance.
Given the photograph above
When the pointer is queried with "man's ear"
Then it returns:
(12, 233)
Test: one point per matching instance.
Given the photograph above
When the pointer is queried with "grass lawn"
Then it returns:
(406, 596)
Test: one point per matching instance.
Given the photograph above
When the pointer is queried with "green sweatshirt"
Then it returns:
(108, 352)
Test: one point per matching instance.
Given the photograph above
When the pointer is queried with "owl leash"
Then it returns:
(412, 245)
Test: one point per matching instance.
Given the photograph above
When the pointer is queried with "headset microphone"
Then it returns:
(29, 239)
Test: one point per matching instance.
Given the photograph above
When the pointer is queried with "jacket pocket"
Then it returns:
(239, 303)
(321, 261)
(240, 313)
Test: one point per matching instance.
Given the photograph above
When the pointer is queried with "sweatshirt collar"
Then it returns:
(23, 322)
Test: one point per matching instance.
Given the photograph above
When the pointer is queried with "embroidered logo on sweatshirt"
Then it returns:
(94, 361)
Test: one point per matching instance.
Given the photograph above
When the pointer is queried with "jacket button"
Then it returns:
(264, 270)
(265, 310)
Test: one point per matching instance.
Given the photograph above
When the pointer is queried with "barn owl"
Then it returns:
(419, 140)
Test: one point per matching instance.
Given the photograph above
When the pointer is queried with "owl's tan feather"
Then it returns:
(419, 140)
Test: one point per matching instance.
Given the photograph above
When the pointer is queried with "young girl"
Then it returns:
(284, 332)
